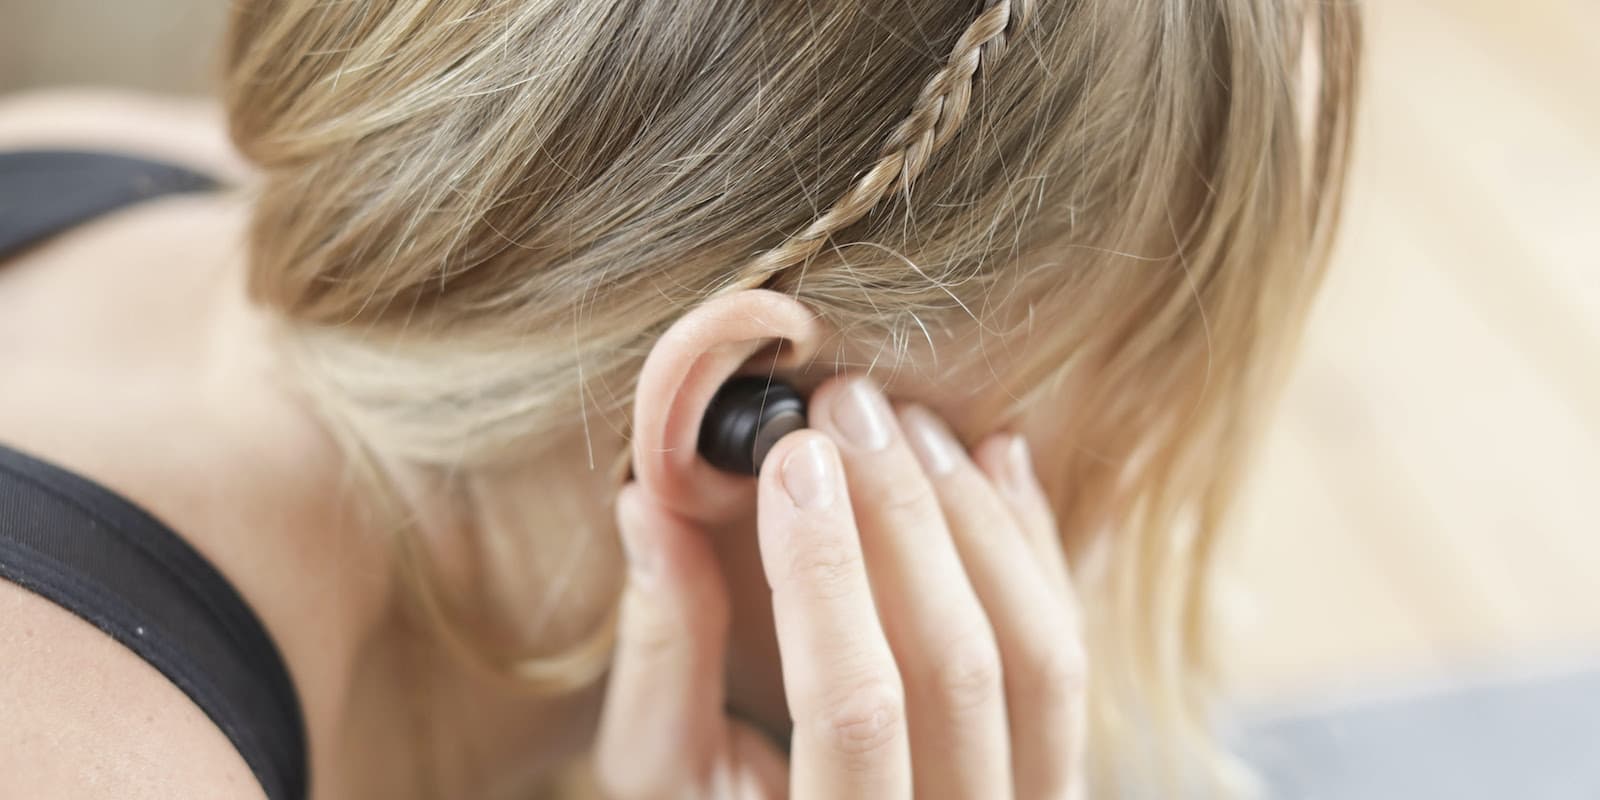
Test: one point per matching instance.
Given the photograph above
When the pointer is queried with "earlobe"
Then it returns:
(684, 370)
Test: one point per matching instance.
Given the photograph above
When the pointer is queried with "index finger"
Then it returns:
(663, 713)
(844, 691)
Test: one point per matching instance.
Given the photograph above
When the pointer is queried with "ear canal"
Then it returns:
(745, 418)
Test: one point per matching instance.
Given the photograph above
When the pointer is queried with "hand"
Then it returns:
(965, 679)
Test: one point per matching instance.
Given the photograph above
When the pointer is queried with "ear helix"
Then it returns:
(745, 418)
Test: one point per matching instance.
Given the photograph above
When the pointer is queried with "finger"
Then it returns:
(1037, 634)
(941, 638)
(844, 692)
(662, 723)
(751, 769)
(1009, 466)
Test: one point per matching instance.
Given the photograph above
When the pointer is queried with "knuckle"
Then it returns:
(825, 565)
(865, 721)
(908, 497)
(969, 675)
(1055, 672)
(650, 631)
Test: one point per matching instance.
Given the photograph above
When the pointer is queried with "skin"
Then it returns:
(145, 309)
(923, 618)
(924, 625)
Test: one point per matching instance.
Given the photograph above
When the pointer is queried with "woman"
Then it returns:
(455, 330)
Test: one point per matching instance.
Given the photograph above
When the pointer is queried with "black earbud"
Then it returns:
(748, 415)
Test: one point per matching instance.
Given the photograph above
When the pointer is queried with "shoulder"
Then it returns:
(133, 361)
(189, 131)
(86, 718)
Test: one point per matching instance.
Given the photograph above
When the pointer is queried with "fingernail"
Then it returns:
(636, 547)
(862, 415)
(1019, 462)
(810, 474)
(935, 447)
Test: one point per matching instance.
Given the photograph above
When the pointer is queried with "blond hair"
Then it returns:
(476, 216)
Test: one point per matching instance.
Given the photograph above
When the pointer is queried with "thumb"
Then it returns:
(662, 722)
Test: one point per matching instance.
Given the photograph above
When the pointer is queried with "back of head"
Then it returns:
(476, 216)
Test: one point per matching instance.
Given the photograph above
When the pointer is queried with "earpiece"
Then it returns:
(748, 415)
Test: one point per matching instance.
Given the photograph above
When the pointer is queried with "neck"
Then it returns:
(524, 557)
(517, 565)
(525, 574)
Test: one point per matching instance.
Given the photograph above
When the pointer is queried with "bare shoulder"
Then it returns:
(182, 130)
(87, 718)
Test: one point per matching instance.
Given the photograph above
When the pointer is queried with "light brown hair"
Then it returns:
(476, 216)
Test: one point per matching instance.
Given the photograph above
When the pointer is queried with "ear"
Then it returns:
(711, 343)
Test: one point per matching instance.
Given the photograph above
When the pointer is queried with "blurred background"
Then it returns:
(155, 45)
(1417, 561)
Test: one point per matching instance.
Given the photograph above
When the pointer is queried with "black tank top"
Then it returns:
(100, 556)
